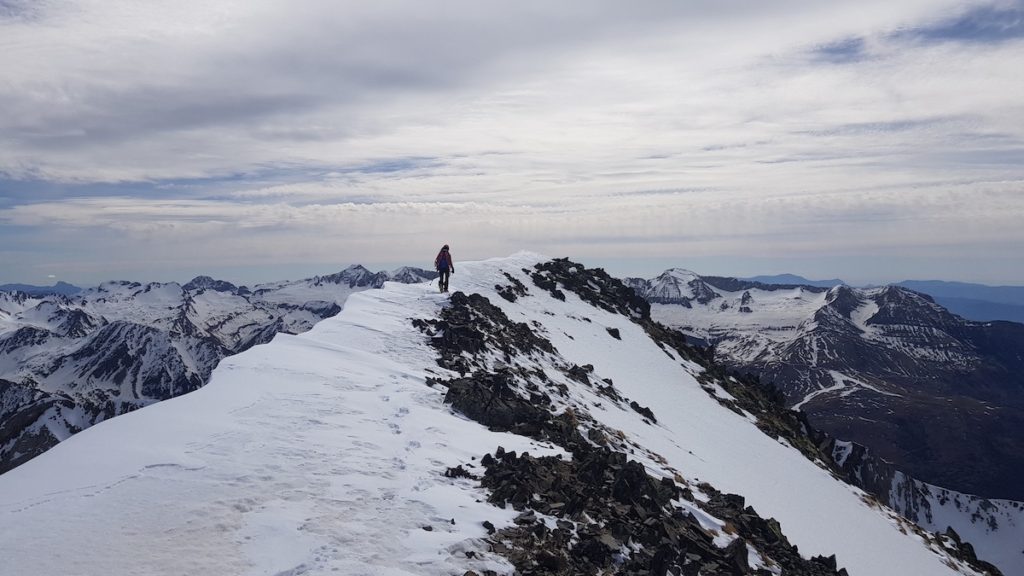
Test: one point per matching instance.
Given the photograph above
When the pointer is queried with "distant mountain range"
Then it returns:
(68, 361)
(886, 367)
(794, 280)
(972, 301)
(58, 288)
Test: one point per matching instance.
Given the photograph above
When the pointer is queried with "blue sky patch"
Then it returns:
(988, 24)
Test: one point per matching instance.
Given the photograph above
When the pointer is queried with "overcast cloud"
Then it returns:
(871, 140)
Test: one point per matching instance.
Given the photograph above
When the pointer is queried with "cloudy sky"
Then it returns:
(871, 140)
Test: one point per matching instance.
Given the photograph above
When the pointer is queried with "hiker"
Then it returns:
(444, 265)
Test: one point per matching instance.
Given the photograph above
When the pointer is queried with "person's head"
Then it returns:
(445, 247)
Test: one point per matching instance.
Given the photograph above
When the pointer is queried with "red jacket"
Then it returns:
(445, 257)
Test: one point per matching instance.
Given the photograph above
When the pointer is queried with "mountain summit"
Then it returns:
(538, 421)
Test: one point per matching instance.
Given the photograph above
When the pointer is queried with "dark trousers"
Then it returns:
(442, 280)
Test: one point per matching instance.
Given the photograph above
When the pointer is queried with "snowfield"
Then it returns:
(325, 453)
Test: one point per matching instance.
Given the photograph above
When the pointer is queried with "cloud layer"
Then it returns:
(216, 135)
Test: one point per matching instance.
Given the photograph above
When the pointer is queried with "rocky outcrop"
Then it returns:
(593, 286)
(602, 510)
(208, 283)
(24, 337)
(23, 434)
(512, 291)
(610, 514)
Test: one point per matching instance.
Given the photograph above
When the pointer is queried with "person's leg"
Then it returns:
(442, 281)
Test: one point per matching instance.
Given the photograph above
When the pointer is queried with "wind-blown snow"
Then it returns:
(324, 453)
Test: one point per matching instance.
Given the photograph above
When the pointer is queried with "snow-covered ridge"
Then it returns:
(68, 361)
(327, 452)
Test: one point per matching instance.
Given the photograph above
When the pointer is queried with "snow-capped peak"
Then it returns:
(206, 282)
(675, 285)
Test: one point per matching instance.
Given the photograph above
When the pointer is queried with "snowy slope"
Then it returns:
(325, 453)
(994, 527)
(121, 345)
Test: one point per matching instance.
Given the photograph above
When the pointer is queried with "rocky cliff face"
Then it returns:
(69, 361)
